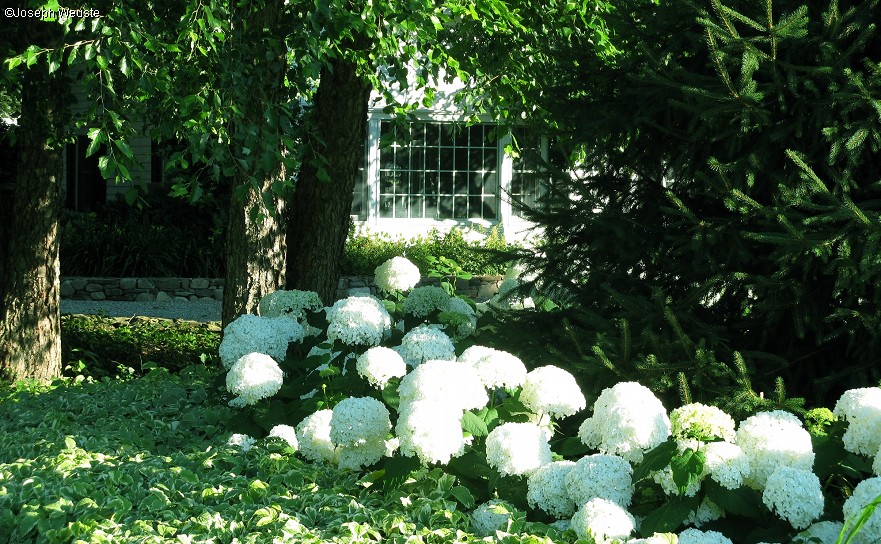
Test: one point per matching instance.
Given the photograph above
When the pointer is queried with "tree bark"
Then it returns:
(30, 323)
(255, 244)
(318, 214)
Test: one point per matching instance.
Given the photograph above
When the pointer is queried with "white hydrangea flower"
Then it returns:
(517, 448)
(425, 343)
(358, 420)
(707, 511)
(293, 304)
(253, 377)
(772, 439)
(242, 441)
(430, 430)
(252, 333)
(602, 522)
(354, 457)
(468, 323)
(861, 408)
(876, 464)
(313, 435)
(547, 490)
(553, 391)
(424, 300)
(397, 274)
(726, 463)
(450, 382)
(379, 364)
(794, 495)
(358, 320)
(601, 476)
(286, 433)
(490, 517)
(496, 368)
(703, 422)
(657, 538)
(696, 536)
(505, 300)
(628, 420)
(822, 532)
(864, 493)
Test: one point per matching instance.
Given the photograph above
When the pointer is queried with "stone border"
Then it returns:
(479, 288)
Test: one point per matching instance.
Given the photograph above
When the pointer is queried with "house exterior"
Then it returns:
(433, 172)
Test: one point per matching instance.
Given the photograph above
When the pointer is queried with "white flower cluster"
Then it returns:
(861, 408)
(357, 432)
(430, 430)
(770, 440)
(313, 435)
(864, 493)
(424, 300)
(424, 343)
(601, 476)
(794, 495)
(380, 364)
(707, 511)
(696, 536)
(451, 382)
(251, 333)
(241, 441)
(517, 448)
(705, 423)
(293, 304)
(505, 299)
(553, 391)
(466, 317)
(822, 532)
(726, 463)
(547, 490)
(628, 420)
(496, 368)
(490, 517)
(253, 377)
(358, 320)
(356, 420)
(602, 522)
(397, 274)
(286, 433)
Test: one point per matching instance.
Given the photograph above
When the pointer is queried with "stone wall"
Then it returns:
(479, 288)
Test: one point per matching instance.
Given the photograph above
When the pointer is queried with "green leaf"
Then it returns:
(463, 495)
(474, 424)
(396, 470)
(124, 148)
(656, 459)
(739, 502)
(687, 467)
(669, 516)
(570, 447)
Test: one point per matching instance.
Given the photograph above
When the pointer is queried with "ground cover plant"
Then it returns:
(99, 346)
(371, 421)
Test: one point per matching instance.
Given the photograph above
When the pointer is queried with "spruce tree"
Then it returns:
(730, 197)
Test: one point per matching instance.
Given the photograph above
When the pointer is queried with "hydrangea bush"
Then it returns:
(385, 390)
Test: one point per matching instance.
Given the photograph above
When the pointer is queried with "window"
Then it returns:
(438, 171)
(528, 171)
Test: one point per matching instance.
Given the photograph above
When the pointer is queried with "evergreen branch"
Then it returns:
(717, 61)
(684, 390)
(743, 18)
(721, 10)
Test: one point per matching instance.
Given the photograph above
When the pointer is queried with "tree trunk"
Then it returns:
(318, 218)
(30, 323)
(255, 244)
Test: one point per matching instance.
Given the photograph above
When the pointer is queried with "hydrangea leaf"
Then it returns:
(668, 517)
(474, 424)
(740, 502)
(656, 459)
(687, 468)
